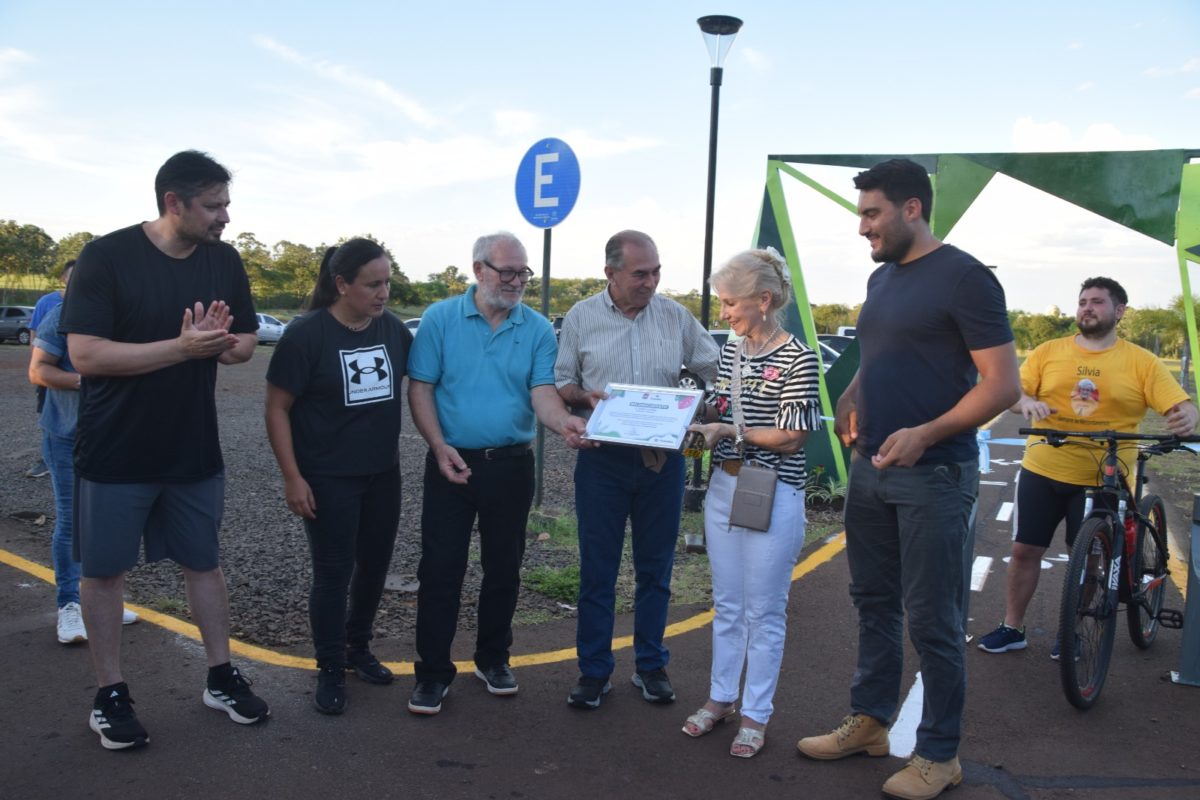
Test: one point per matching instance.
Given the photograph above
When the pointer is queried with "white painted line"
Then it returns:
(903, 736)
(1005, 512)
(979, 572)
(993, 483)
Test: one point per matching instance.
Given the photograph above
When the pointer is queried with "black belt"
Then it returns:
(495, 453)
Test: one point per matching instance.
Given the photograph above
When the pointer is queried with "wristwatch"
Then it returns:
(739, 441)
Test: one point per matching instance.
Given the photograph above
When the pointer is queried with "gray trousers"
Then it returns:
(905, 533)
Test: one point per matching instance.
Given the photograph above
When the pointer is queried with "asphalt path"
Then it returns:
(1021, 738)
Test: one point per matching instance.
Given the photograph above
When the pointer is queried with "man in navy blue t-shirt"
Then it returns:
(937, 360)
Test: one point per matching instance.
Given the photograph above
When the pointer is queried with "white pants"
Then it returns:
(751, 574)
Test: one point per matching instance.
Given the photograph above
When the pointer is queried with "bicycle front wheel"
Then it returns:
(1148, 573)
(1088, 618)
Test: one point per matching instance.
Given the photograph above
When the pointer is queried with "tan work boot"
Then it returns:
(857, 733)
(922, 779)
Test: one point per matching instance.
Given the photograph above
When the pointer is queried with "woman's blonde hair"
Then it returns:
(753, 272)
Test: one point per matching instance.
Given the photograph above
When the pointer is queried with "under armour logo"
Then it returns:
(359, 370)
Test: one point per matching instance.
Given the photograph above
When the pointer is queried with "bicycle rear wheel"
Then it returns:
(1088, 618)
(1148, 572)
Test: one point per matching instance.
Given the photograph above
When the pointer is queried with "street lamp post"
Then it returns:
(719, 32)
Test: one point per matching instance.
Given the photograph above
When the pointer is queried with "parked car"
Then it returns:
(846, 330)
(14, 323)
(413, 324)
(689, 380)
(269, 329)
(828, 355)
(838, 343)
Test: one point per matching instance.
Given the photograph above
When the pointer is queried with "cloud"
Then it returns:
(346, 76)
(515, 123)
(1193, 94)
(1075, 45)
(1085, 86)
(11, 57)
(1191, 65)
(756, 58)
(586, 145)
(1029, 135)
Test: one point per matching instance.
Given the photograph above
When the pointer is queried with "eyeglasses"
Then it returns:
(508, 275)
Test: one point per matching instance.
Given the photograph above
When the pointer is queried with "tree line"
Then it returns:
(282, 276)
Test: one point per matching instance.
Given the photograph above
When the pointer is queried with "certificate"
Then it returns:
(645, 416)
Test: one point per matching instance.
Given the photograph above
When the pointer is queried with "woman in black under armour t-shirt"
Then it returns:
(333, 419)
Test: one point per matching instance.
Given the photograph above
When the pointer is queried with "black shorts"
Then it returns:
(178, 521)
(1042, 503)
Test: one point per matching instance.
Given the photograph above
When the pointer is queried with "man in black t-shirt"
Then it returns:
(153, 309)
(937, 361)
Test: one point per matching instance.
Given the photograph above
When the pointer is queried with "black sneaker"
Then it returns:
(1003, 639)
(588, 691)
(113, 718)
(499, 679)
(330, 696)
(232, 695)
(363, 663)
(655, 686)
(427, 697)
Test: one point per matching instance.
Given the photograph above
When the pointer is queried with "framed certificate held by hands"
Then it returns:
(644, 416)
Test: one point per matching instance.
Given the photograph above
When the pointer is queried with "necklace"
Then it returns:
(747, 367)
(362, 326)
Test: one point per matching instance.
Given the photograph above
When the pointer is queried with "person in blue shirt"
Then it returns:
(51, 371)
(481, 373)
(44, 305)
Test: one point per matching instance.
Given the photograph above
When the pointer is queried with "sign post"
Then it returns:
(547, 187)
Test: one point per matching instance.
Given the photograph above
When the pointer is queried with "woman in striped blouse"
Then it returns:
(760, 410)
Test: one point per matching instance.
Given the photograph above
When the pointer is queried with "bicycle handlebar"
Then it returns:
(1057, 436)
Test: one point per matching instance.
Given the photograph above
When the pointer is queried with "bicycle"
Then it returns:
(1115, 532)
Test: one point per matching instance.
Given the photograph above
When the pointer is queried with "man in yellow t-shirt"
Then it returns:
(1089, 381)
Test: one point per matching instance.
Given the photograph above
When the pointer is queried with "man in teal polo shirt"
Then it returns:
(480, 370)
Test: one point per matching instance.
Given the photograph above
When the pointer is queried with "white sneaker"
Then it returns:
(128, 617)
(70, 624)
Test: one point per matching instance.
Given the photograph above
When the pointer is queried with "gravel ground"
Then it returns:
(264, 551)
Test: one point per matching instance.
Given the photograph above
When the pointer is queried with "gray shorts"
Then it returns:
(178, 521)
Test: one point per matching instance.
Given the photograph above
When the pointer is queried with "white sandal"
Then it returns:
(704, 721)
(751, 738)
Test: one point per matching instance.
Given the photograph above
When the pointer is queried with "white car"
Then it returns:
(269, 329)
(413, 324)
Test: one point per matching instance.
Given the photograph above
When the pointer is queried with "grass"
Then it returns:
(175, 606)
(557, 584)
(691, 579)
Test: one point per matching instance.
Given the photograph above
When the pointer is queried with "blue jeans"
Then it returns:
(611, 486)
(58, 453)
(905, 533)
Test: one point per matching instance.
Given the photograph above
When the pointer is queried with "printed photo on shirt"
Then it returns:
(366, 375)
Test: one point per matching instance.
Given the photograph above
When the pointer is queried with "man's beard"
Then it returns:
(1095, 327)
(897, 243)
(498, 299)
(209, 237)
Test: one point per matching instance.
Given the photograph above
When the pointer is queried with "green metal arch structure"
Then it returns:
(1153, 192)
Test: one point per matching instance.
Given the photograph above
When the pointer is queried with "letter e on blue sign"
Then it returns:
(547, 183)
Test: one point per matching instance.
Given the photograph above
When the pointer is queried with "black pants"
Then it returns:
(499, 493)
(351, 543)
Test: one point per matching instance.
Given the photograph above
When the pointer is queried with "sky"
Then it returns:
(408, 121)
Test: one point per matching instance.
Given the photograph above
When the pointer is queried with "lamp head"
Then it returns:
(719, 32)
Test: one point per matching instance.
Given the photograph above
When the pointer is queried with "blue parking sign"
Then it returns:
(547, 183)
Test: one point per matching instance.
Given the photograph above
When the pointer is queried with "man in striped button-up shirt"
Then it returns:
(627, 334)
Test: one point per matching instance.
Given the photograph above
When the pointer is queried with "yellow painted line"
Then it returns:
(820, 556)
(1178, 568)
